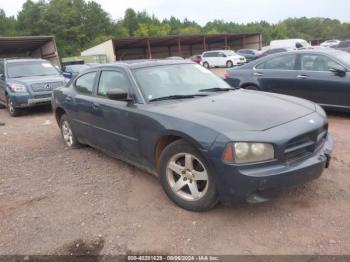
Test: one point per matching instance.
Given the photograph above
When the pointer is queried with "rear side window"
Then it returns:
(85, 83)
(315, 62)
(111, 80)
(283, 62)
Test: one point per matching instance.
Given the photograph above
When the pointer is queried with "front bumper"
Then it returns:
(260, 184)
(23, 100)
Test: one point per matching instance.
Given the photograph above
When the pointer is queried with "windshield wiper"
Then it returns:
(175, 97)
(216, 89)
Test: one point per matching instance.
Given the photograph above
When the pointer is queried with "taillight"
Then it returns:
(226, 75)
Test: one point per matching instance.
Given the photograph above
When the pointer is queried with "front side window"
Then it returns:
(85, 83)
(283, 62)
(31, 68)
(315, 62)
(181, 79)
(111, 80)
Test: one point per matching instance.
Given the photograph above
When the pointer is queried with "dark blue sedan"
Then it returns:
(206, 141)
(320, 75)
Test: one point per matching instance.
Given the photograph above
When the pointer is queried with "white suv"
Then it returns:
(218, 58)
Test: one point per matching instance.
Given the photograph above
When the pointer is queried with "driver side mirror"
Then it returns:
(338, 70)
(118, 94)
(2, 77)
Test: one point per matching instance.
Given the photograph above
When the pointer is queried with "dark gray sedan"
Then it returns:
(206, 141)
(321, 76)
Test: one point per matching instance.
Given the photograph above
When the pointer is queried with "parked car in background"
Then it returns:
(292, 44)
(206, 141)
(274, 51)
(196, 58)
(320, 75)
(27, 82)
(330, 43)
(344, 46)
(249, 54)
(222, 58)
(71, 71)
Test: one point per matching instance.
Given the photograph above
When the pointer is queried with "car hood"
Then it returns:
(37, 79)
(237, 110)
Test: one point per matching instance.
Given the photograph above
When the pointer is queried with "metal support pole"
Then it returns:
(149, 49)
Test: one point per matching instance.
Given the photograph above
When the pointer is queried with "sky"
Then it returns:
(202, 11)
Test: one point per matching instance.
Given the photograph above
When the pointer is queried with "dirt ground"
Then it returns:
(58, 201)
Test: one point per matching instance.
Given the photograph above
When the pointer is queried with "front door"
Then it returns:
(320, 84)
(114, 121)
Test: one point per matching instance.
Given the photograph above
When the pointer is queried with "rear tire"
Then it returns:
(229, 64)
(13, 111)
(67, 133)
(186, 178)
(206, 65)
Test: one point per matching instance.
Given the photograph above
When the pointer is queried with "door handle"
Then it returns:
(95, 106)
(302, 76)
(258, 74)
(68, 99)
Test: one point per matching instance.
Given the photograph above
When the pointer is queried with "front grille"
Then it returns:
(49, 86)
(304, 145)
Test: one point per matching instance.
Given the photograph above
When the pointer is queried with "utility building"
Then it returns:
(172, 45)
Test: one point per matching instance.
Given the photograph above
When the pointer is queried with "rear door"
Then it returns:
(321, 85)
(278, 74)
(79, 106)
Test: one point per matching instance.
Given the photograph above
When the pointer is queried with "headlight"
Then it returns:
(242, 152)
(18, 88)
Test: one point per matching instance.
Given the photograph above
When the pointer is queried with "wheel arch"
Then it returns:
(250, 84)
(169, 137)
(59, 112)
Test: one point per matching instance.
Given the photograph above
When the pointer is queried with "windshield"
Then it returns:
(31, 68)
(76, 68)
(176, 80)
(230, 53)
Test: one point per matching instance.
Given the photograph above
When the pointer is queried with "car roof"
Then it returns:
(216, 51)
(144, 63)
(318, 51)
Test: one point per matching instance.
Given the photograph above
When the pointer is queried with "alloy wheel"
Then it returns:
(67, 133)
(10, 106)
(187, 176)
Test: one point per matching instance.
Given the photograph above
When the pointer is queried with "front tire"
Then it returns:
(229, 64)
(186, 178)
(13, 111)
(68, 134)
